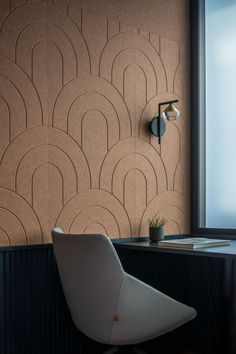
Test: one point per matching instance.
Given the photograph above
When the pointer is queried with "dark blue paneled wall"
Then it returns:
(34, 318)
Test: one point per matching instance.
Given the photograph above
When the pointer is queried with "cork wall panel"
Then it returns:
(77, 92)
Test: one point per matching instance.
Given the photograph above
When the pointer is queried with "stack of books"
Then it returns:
(192, 243)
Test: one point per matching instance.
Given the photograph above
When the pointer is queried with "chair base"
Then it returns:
(125, 350)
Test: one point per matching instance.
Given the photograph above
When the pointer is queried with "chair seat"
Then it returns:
(144, 313)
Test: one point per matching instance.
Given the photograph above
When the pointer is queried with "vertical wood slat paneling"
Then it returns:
(34, 318)
(2, 304)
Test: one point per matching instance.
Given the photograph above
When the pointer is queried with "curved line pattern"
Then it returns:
(23, 227)
(96, 110)
(9, 117)
(173, 205)
(176, 207)
(65, 34)
(9, 5)
(137, 51)
(32, 184)
(106, 193)
(31, 82)
(32, 61)
(23, 101)
(32, 58)
(10, 13)
(85, 157)
(127, 67)
(140, 118)
(175, 222)
(133, 169)
(170, 185)
(76, 78)
(81, 33)
(36, 216)
(107, 28)
(63, 88)
(159, 54)
(98, 206)
(176, 70)
(123, 157)
(163, 165)
(46, 40)
(118, 34)
(69, 200)
(123, 102)
(98, 224)
(127, 49)
(159, 155)
(6, 235)
(179, 152)
(55, 146)
(85, 94)
(114, 196)
(58, 11)
(22, 30)
(72, 45)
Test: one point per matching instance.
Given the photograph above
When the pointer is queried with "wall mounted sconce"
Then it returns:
(157, 125)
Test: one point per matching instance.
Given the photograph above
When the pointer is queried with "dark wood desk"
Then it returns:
(144, 244)
(202, 278)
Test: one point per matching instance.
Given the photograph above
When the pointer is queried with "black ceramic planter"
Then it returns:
(156, 233)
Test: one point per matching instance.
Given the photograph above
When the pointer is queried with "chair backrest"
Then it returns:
(91, 276)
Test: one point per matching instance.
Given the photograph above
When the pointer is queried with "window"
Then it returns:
(214, 115)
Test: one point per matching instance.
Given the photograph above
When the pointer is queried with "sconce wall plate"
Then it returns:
(158, 126)
(154, 126)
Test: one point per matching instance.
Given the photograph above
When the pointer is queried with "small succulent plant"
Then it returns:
(156, 221)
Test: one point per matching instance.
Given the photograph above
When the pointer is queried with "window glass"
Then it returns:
(220, 119)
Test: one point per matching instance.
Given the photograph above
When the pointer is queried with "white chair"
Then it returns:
(107, 304)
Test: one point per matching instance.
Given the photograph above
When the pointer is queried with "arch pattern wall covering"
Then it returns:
(76, 95)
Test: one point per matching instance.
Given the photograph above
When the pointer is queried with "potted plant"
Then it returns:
(156, 230)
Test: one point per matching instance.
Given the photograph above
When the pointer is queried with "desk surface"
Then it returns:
(143, 243)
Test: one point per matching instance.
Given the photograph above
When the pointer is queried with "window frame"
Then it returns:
(198, 136)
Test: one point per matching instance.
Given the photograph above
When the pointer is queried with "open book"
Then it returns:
(192, 243)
